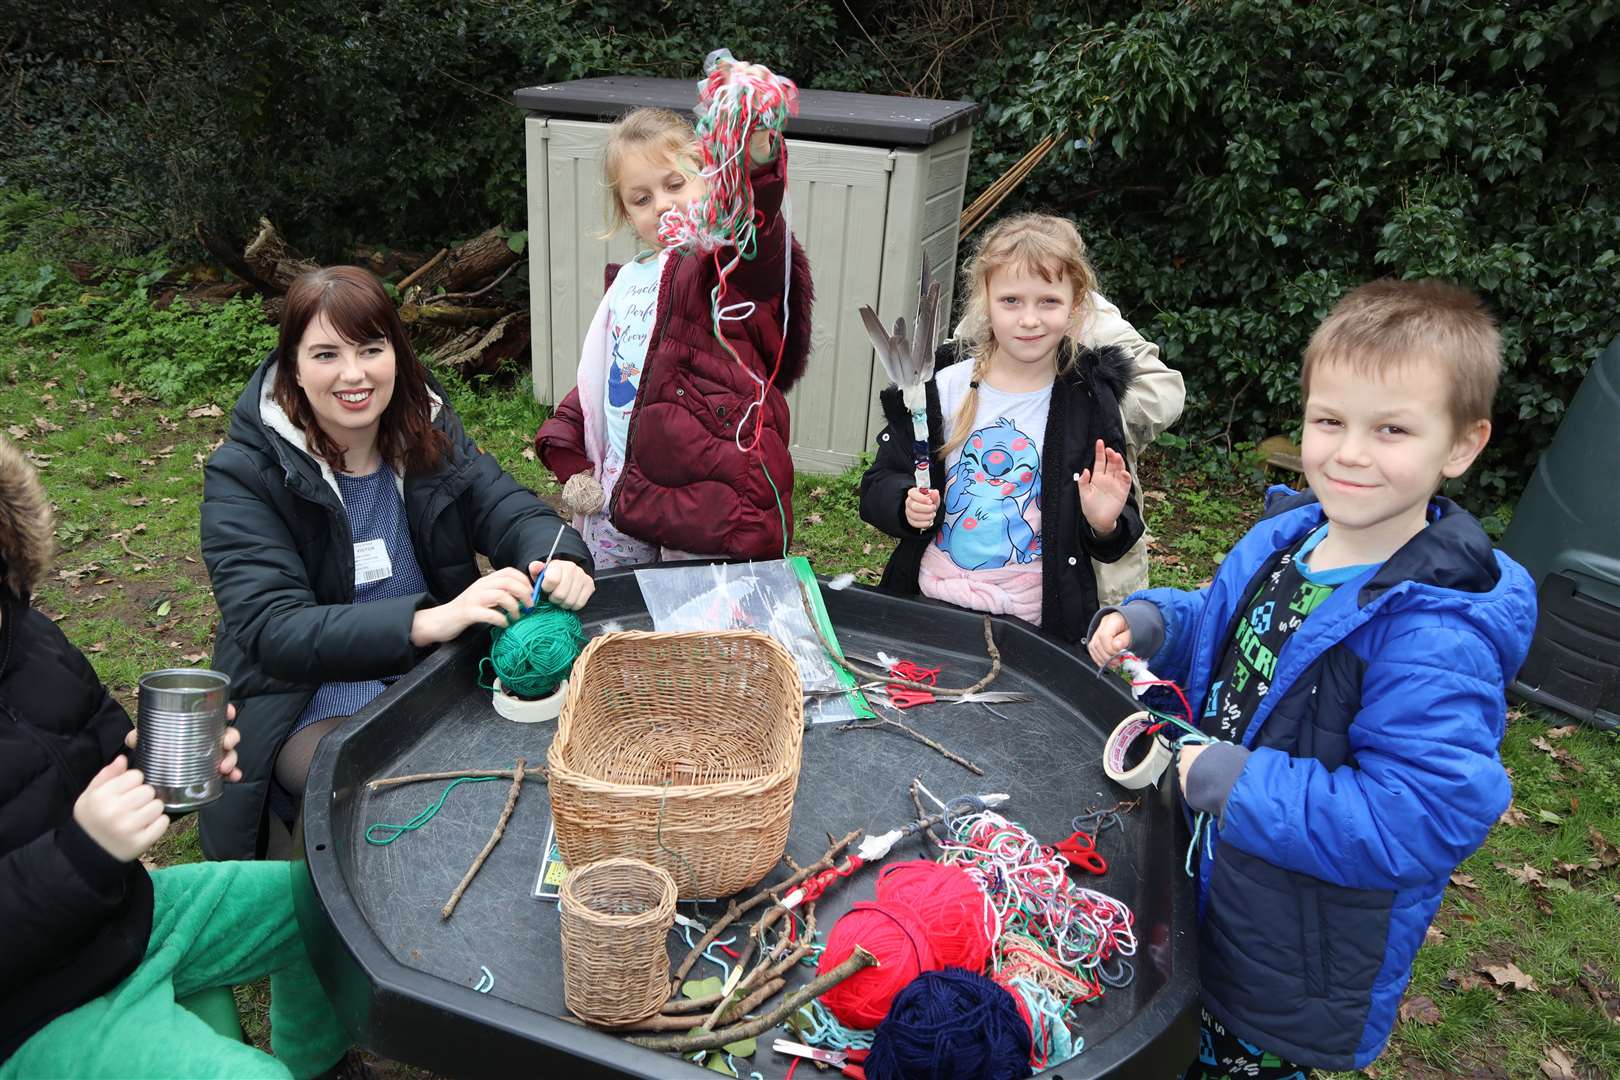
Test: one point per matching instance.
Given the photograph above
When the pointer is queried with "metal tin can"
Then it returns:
(181, 719)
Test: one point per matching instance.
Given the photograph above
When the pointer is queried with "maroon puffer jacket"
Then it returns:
(685, 485)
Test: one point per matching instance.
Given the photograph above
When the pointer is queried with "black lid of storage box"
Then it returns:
(875, 119)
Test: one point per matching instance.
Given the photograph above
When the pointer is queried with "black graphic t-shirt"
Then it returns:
(1278, 608)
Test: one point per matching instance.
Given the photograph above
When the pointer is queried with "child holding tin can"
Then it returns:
(94, 949)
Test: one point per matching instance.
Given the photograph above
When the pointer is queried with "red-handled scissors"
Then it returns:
(841, 1059)
(904, 697)
(1081, 850)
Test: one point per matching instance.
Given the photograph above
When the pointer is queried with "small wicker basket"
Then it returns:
(615, 917)
(681, 749)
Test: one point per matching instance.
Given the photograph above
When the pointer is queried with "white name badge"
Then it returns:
(371, 562)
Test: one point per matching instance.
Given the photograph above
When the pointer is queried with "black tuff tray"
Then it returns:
(402, 977)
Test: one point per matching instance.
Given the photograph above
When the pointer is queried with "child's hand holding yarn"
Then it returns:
(1184, 762)
(497, 599)
(1103, 490)
(120, 811)
(228, 741)
(921, 507)
(1112, 637)
(568, 584)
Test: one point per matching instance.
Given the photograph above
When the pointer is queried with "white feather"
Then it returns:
(841, 582)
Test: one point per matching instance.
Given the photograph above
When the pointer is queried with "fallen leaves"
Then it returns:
(1606, 851)
(1513, 816)
(1420, 1010)
(1558, 753)
(1524, 875)
(1558, 1065)
(17, 431)
(45, 425)
(1509, 975)
(1463, 881)
(1563, 732)
(204, 411)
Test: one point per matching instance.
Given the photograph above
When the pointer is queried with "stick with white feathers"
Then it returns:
(873, 848)
(909, 363)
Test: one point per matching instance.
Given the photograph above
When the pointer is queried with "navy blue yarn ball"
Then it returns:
(951, 1025)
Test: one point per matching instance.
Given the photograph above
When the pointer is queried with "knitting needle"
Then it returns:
(535, 599)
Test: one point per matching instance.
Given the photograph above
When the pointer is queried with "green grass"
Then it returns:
(123, 468)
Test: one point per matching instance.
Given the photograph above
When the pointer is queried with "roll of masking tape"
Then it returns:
(1116, 750)
(530, 712)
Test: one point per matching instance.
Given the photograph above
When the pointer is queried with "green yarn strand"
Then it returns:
(534, 654)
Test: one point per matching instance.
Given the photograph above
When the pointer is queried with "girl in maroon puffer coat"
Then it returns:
(686, 434)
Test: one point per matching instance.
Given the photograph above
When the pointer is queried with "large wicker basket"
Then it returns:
(615, 916)
(681, 749)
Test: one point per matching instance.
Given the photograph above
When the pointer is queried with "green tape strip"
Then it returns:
(801, 568)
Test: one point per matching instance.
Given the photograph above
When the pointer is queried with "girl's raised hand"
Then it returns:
(567, 585)
(1103, 490)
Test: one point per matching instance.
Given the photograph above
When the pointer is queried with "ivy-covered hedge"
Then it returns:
(1236, 165)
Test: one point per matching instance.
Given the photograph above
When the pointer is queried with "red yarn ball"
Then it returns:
(949, 903)
(927, 917)
(900, 943)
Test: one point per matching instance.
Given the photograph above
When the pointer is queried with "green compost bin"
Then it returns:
(1566, 532)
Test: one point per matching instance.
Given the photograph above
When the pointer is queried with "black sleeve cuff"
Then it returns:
(103, 873)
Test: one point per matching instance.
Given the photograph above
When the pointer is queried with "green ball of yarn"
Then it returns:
(534, 654)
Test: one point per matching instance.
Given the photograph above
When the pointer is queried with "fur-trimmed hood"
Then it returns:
(1110, 365)
(25, 523)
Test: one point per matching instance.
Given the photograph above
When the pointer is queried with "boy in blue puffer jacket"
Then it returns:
(1350, 660)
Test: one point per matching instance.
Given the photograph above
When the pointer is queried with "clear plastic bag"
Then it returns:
(762, 596)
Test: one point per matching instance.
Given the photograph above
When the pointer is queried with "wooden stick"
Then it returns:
(663, 1022)
(495, 838)
(922, 815)
(681, 1044)
(735, 911)
(478, 292)
(882, 722)
(539, 771)
(799, 952)
(416, 275)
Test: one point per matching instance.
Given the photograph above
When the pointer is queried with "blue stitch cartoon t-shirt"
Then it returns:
(993, 483)
(632, 306)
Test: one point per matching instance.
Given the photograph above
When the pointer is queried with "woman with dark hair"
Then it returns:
(341, 524)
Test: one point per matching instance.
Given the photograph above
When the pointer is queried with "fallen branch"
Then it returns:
(682, 1044)
(495, 838)
(538, 772)
(476, 293)
(448, 314)
(882, 722)
(233, 261)
(416, 275)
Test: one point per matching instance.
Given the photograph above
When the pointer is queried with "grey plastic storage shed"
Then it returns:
(872, 181)
(1566, 532)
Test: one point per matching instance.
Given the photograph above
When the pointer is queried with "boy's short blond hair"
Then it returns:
(1385, 324)
(661, 132)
